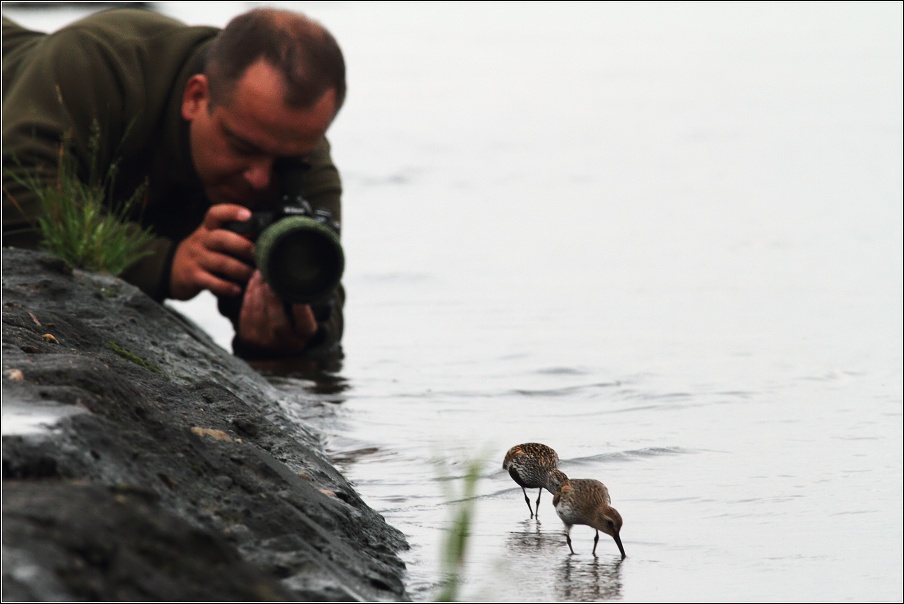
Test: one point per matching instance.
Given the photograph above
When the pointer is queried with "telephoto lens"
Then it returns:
(300, 258)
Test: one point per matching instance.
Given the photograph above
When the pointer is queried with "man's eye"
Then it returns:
(241, 149)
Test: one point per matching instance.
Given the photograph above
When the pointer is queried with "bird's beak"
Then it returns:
(620, 547)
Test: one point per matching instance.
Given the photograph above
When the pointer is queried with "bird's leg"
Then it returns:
(538, 502)
(596, 539)
(568, 538)
(527, 500)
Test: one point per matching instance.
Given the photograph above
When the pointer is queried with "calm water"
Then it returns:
(664, 240)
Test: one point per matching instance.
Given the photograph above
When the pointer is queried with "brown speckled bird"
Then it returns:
(534, 466)
(586, 501)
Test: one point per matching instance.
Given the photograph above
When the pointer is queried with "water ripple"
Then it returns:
(565, 391)
(563, 371)
(629, 455)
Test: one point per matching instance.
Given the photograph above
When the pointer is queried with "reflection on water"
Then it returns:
(320, 376)
(547, 570)
(588, 580)
(530, 539)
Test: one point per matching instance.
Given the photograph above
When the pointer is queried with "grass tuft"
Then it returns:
(79, 221)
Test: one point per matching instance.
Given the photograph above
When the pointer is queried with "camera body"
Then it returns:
(297, 247)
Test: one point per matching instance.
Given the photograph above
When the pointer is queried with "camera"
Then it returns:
(297, 247)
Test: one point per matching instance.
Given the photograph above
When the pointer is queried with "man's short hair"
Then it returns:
(301, 49)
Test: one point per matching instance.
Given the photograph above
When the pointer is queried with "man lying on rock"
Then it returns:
(206, 120)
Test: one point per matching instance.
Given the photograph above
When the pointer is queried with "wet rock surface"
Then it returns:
(170, 471)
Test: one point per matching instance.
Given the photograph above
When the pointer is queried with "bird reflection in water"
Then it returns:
(576, 578)
(530, 539)
(589, 580)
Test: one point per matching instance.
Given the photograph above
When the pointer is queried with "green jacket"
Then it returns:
(123, 71)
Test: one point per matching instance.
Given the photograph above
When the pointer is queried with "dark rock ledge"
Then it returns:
(171, 471)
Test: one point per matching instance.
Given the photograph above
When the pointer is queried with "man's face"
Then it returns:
(234, 146)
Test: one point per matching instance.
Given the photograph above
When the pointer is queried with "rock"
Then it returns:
(171, 471)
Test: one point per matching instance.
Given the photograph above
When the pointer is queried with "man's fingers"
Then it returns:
(221, 265)
(263, 322)
(305, 322)
(230, 243)
(222, 213)
(274, 311)
(219, 287)
(210, 256)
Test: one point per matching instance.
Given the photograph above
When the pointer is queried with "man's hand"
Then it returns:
(264, 324)
(211, 257)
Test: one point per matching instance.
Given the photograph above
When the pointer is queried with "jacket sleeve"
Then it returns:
(62, 95)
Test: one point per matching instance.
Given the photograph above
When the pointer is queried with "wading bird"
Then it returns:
(534, 466)
(586, 501)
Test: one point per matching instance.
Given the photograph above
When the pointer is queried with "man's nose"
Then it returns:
(258, 174)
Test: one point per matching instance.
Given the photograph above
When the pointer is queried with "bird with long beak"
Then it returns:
(586, 501)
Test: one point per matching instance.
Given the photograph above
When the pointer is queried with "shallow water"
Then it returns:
(664, 240)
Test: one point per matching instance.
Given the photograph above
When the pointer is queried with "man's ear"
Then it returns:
(196, 97)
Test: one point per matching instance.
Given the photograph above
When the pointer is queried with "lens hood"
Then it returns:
(300, 258)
